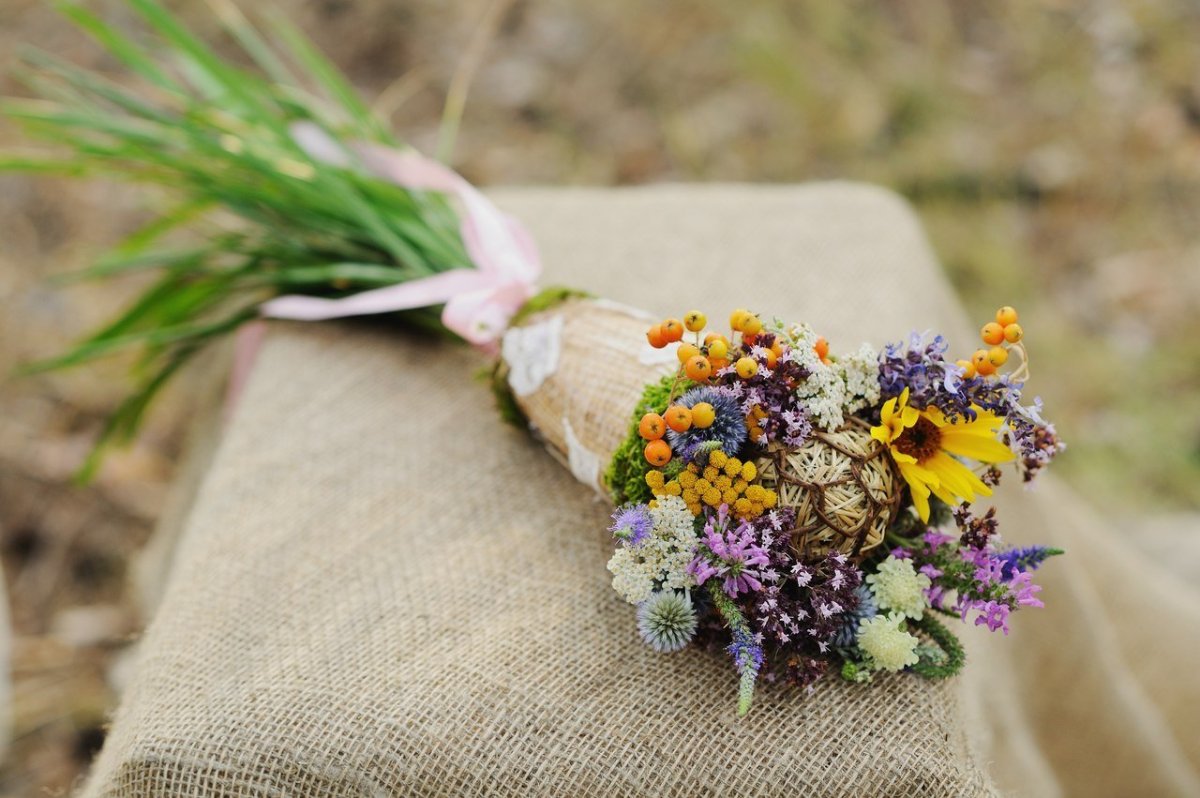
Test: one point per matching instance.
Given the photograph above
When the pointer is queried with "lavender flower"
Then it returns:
(1015, 561)
(729, 554)
(728, 428)
(632, 525)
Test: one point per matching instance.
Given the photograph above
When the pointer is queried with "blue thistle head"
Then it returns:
(866, 608)
(667, 620)
(728, 429)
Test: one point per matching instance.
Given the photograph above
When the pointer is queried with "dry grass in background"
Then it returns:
(1052, 149)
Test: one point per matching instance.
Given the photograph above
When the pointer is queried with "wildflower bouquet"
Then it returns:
(791, 506)
(774, 500)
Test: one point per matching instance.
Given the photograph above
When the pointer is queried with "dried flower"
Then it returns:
(728, 428)
(886, 643)
(632, 525)
(729, 554)
(667, 620)
(897, 586)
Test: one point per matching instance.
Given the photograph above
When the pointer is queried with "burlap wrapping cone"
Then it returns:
(381, 590)
(577, 371)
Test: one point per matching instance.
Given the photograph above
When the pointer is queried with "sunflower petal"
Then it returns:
(985, 449)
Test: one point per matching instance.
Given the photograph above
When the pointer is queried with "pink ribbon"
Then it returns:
(479, 302)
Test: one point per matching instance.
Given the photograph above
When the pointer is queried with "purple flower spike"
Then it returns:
(730, 555)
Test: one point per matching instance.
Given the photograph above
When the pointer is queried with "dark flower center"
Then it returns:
(922, 440)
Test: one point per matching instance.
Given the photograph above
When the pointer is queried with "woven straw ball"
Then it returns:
(844, 488)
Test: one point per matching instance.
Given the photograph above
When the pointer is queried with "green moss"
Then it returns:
(626, 474)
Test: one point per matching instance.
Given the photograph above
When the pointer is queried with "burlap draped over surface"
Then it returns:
(381, 590)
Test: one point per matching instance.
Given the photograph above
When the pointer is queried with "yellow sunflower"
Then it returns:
(922, 443)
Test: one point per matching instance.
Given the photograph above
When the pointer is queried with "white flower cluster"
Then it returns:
(897, 586)
(884, 640)
(833, 390)
(860, 375)
(660, 562)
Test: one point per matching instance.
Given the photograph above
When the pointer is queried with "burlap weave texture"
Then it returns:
(383, 591)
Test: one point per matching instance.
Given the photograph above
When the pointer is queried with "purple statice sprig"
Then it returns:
(632, 524)
(730, 554)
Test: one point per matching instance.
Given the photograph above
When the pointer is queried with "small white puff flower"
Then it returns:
(897, 586)
(885, 642)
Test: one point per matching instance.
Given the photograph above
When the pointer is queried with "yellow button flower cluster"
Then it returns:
(724, 480)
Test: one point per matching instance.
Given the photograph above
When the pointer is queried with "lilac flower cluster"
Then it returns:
(922, 368)
(986, 582)
(772, 391)
(730, 554)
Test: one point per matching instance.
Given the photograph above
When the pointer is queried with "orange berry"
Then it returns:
(992, 333)
(1013, 333)
(672, 329)
(718, 363)
(658, 453)
(752, 324)
(1006, 315)
(968, 368)
(821, 347)
(749, 338)
(678, 418)
(712, 336)
(718, 349)
(983, 366)
(777, 347)
(997, 356)
(703, 415)
(698, 369)
(694, 320)
(772, 358)
(686, 352)
(652, 427)
(738, 318)
(656, 337)
(747, 367)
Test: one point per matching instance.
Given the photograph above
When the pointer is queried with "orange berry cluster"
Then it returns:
(724, 480)
(653, 428)
(999, 335)
(697, 363)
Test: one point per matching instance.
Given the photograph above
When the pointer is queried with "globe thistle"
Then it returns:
(728, 428)
(897, 586)
(865, 609)
(886, 643)
(667, 620)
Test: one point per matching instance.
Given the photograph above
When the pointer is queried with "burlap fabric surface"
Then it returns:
(381, 590)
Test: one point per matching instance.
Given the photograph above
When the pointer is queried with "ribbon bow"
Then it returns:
(479, 302)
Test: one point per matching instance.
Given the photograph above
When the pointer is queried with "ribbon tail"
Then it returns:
(434, 290)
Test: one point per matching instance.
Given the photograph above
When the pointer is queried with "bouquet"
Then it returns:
(804, 511)
(800, 509)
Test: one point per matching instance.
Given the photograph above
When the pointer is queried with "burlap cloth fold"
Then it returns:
(381, 590)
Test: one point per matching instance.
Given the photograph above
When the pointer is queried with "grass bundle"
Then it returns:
(272, 220)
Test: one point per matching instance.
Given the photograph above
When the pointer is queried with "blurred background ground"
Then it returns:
(1051, 147)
